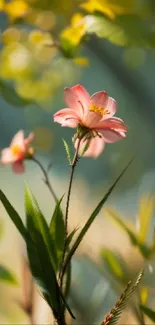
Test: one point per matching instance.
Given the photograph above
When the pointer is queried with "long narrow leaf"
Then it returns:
(123, 225)
(13, 214)
(146, 208)
(148, 312)
(70, 237)
(43, 272)
(57, 230)
(68, 280)
(39, 253)
(112, 264)
(36, 220)
(114, 315)
(92, 218)
(40, 256)
(134, 238)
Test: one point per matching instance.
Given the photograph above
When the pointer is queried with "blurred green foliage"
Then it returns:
(37, 43)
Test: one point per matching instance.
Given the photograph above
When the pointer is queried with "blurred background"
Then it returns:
(103, 45)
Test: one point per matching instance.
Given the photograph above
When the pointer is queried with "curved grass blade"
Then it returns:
(134, 238)
(92, 218)
(36, 220)
(57, 230)
(41, 259)
(70, 237)
(68, 280)
(148, 312)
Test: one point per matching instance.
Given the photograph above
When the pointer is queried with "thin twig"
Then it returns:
(73, 165)
(46, 178)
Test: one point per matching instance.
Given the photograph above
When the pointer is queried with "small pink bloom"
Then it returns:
(18, 151)
(96, 114)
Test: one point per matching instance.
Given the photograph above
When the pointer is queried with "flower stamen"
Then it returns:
(15, 150)
(98, 109)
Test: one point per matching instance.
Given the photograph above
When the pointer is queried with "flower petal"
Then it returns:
(7, 156)
(91, 120)
(83, 96)
(67, 117)
(18, 167)
(29, 139)
(18, 140)
(95, 148)
(111, 107)
(113, 123)
(101, 99)
(77, 98)
(111, 136)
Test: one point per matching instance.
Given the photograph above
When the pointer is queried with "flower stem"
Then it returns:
(73, 165)
(46, 179)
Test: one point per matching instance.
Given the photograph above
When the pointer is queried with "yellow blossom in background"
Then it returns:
(16, 9)
(110, 8)
(1, 5)
(15, 61)
(34, 89)
(10, 35)
(44, 19)
(75, 32)
(37, 37)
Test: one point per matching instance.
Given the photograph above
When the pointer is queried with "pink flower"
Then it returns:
(18, 151)
(95, 115)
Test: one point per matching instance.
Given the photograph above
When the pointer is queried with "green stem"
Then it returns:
(73, 165)
(46, 178)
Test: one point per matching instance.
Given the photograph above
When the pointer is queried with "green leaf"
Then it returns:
(14, 216)
(67, 151)
(125, 30)
(144, 249)
(43, 271)
(36, 221)
(70, 237)
(7, 276)
(146, 208)
(92, 218)
(57, 230)
(44, 275)
(148, 312)
(40, 251)
(114, 315)
(114, 215)
(112, 263)
(11, 96)
(68, 280)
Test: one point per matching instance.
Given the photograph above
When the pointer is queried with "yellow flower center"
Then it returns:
(98, 109)
(15, 149)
